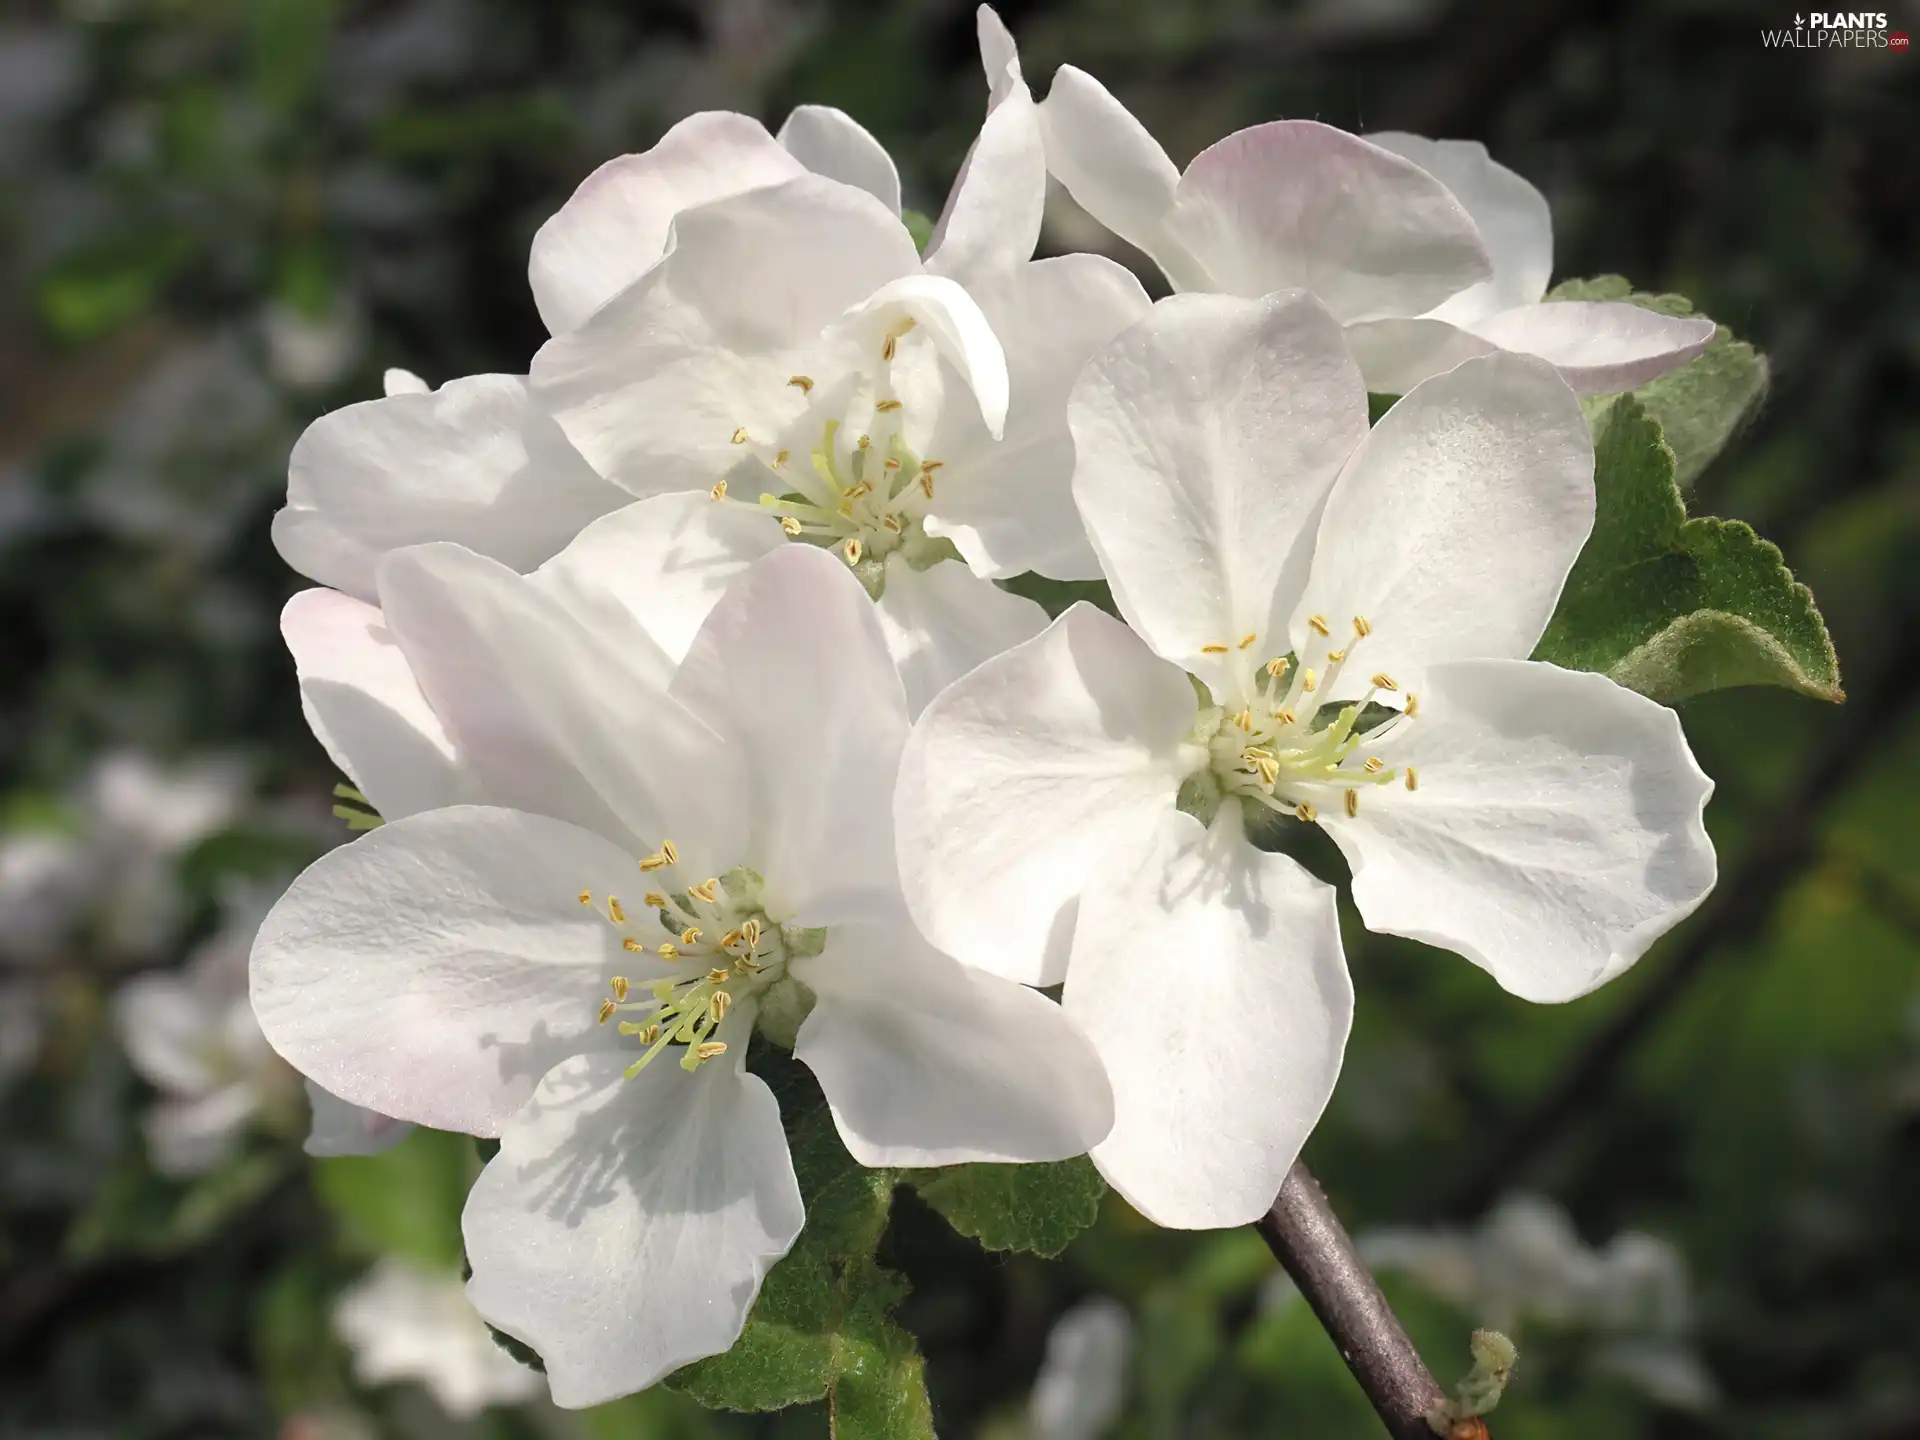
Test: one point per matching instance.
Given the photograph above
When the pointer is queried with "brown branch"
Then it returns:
(1314, 1248)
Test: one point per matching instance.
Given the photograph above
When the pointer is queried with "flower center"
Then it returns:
(844, 475)
(1289, 750)
(724, 950)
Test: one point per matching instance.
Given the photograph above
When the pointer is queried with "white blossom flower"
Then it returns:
(1358, 607)
(1429, 251)
(692, 853)
(192, 1035)
(405, 1323)
(1082, 1382)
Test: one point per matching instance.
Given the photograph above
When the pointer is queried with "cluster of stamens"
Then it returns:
(1279, 751)
(861, 490)
(723, 950)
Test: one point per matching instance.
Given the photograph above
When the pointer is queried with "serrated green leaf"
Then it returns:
(1036, 1208)
(822, 1326)
(1674, 607)
(406, 1202)
(1702, 405)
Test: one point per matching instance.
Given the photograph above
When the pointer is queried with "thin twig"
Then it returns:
(1784, 841)
(1309, 1241)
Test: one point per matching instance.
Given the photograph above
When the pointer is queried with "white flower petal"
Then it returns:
(1112, 167)
(396, 381)
(942, 621)
(1396, 355)
(1555, 833)
(556, 720)
(1209, 976)
(1017, 779)
(1297, 203)
(927, 1062)
(1009, 508)
(960, 333)
(832, 143)
(656, 385)
(438, 966)
(1453, 527)
(658, 564)
(1512, 215)
(792, 669)
(625, 1226)
(1600, 346)
(169, 1031)
(1207, 438)
(193, 1136)
(342, 1128)
(474, 462)
(991, 220)
(363, 704)
(616, 224)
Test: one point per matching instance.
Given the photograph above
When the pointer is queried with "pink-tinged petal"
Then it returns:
(1600, 346)
(363, 704)
(625, 1226)
(437, 967)
(1020, 776)
(1512, 215)
(615, 226)
(792, 669)
(1210, 978)
(1207, 437)
(1453, 527)
(1295, 203)
(1554, 834)
(832, 143)
(474, 462)
(927, 1062)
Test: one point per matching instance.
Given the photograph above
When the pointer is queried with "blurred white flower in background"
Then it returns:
(1083, 1376)
(405, 1323)
(305, 352)
(42, 878)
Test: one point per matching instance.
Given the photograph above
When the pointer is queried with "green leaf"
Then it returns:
(1702, 405)
(1057, 596)
(1378, 405)
(1674, 607)
(920, 226)
(822, 1327)
(406, 1202)
(1037, 1208)
(140, 1212)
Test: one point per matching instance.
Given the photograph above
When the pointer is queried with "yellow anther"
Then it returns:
(891, 522)
(586, 897)
(927, 467)
(1384, 681)
(1353, 802)
(802, 383)
(730, 939)
(790, 525)
(865, 487)
(866, 442)
(887, 350)
(607, 1007)
(1334, 657)
(668, 951)
(746, 963)
(668, 854)
(718, 1006)
(1413, 705)
(1213, 649)
(1308, 681)
(852, 550)
(1285, 717)
(1278, 667)
(1362, 626)
(1413, 778)
(1246, 640)
(1268, 769)
(1244, 720)
(1372, 767)
(1319, 622)
(616, 910)
(1305, 811)
(719, 490)
(631, 946)
(750, 932)
(649, 1033)
(1256, 752)
(719, 976)
(926, 483)
(710, 1049)
(619, 987)
(887, 407)
(654, 900)
(706, 889)
(740, 436)
(689, 935)
(781, 459)
(891, 465)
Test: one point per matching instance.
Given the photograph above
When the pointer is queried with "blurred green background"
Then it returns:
(1693, 1198)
